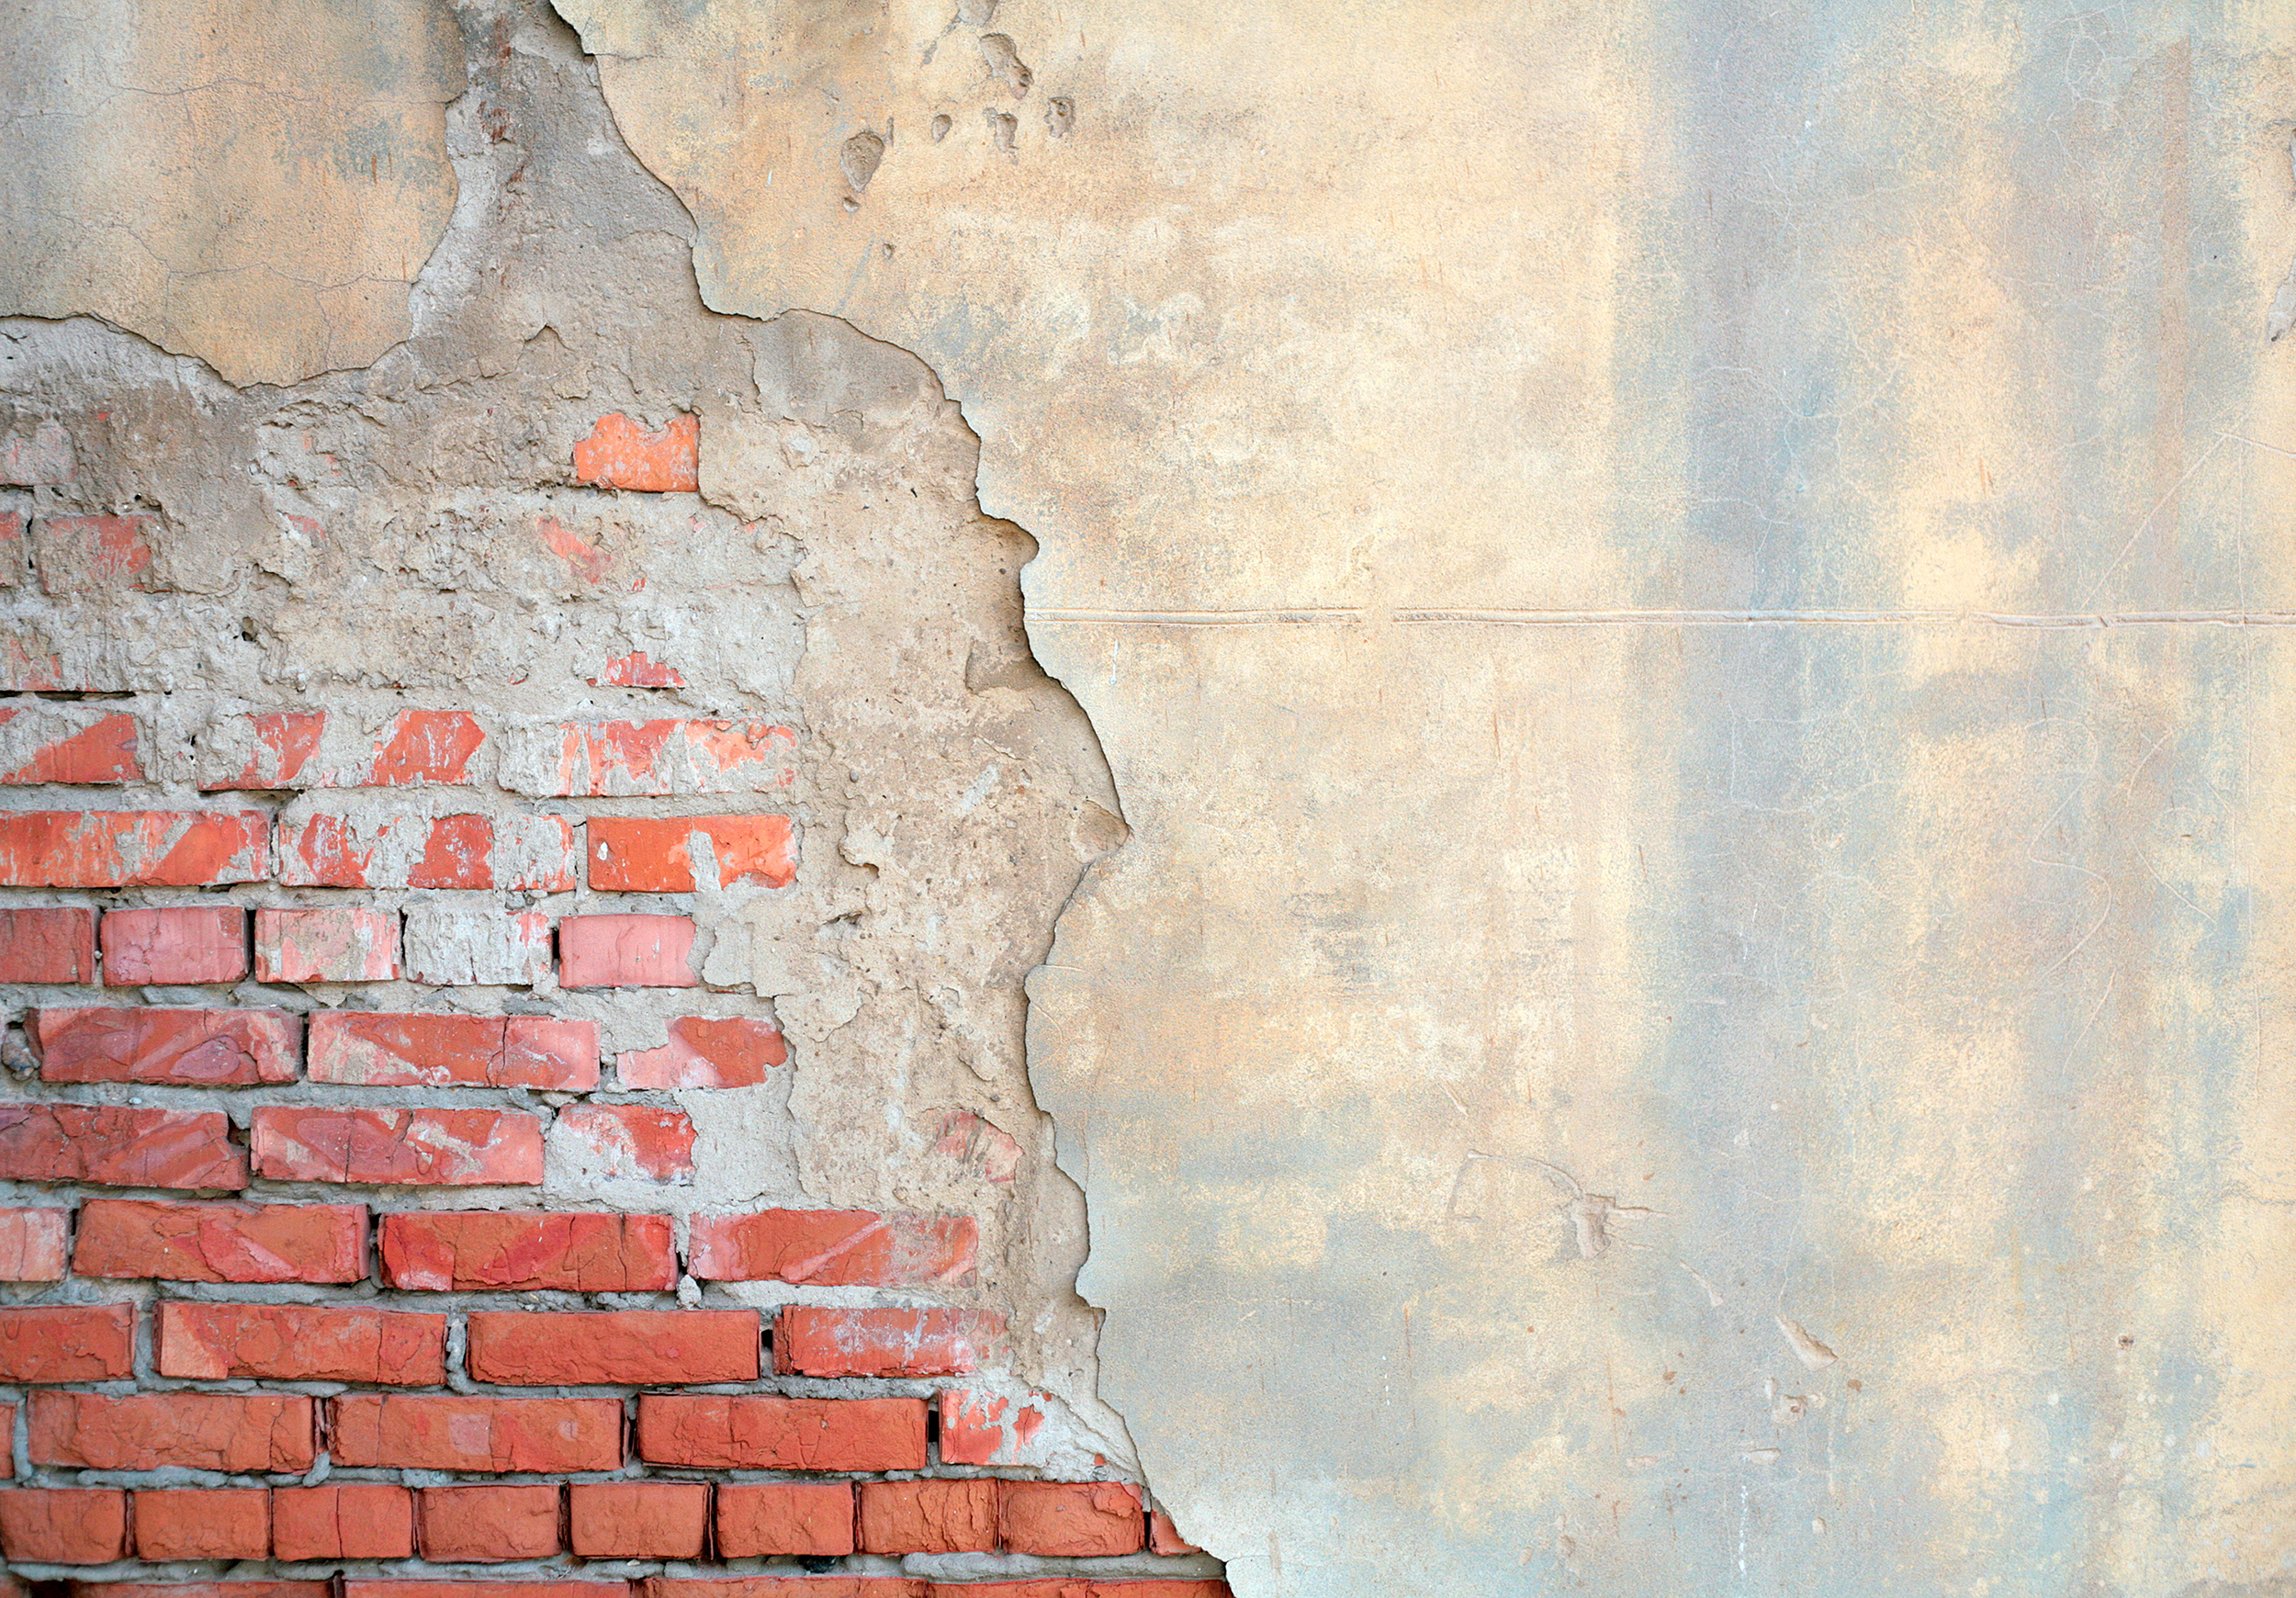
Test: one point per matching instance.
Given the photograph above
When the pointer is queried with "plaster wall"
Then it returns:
(1687, 605)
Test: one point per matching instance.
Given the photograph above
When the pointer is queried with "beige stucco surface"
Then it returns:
(257, 185)
(1686, 604)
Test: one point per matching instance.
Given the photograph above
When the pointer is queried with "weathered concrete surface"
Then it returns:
(255, 184)
(1583, 532)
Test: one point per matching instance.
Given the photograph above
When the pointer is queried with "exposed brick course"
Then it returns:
(201, 1431)
(118, 1146)
(64, 1526)
(489, 1524)
(588, 1253)
(436, 1051)
(67, 1342)
(420, 1432)
(834, 1247)
(641, 1141)
(133, 848)
(814, 1340)
(196, 1048)
(48, 945)
(703, 1052)
(348, 1520)
(435, 1148)
(625, 951)
(729, 1433)
(183, 943)
(232, 1523)
(653, 855)
(338, 943)
(638, 1520)
(768, 1519)
(620, 1347)
(222, 1242)
(300, 1343)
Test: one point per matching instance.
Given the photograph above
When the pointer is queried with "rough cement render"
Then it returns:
(410, 534)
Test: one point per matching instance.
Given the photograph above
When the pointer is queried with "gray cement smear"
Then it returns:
(1686, 601)
(409, 534)
(1691, 608)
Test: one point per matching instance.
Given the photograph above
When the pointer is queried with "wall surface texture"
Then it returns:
(1689, 610)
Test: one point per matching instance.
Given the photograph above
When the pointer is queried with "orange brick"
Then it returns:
(438, 1050)
(624, 1347)
(201, 1431)
(450, 1432)
(429, 1148)
(232, 1523)
(620, 454)
(640, 1142)
(133, 848)
(765, 1519)
(1071, 1519)
(117, 1146)
(328, 850)
(1164, 1537)
(706, 1052)
(634, 670)
(178, 944)
(812, 1341)
(347, 1520)
(582, 1251)
(929, 1517)
(204, 1342)
(63, 1526)
(833, 1248)
(638, 1520)
(67, 1343)
(355, 1587)
(985, 1428)
(716, 1432)
(48, 945)
(314, 750)
(489, 1524)
(647, 855)
(32, 1245)
(196, 1048)
(787, 1587)
(222, 1242)
(625, 951)
(101, 752)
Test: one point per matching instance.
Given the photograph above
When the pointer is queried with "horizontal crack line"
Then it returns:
(1665, 618)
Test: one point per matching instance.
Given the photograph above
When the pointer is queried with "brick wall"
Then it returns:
(516, 872)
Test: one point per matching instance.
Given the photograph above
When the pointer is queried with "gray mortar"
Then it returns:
(835, 575)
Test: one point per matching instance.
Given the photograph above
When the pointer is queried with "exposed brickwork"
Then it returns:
(222, 1242)
(48, 945)
(490, 929)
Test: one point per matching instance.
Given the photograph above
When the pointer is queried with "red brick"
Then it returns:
(809, 1341)
(311, 750)
(232, 1522)
(355, 1587)
(486, 1524)
(117, 1146)
(202, 1341)
(761, 1519)
(348, 1520)
(63, 1526)
(413, 1049)
(720, 1433)
(181, 943)
(627, 1347)
(418, 851)
(625, 951)
(584, 1253)
(67, 1343)
(976, 1428)
(450, 1432)
(1079, 1587)
(222, 1242)
(782, 1587)
(636, 1140)
(335, 944)
(101, 752)
(32, 1245)
(48, 945)
(638, 1520)
(133, 849)
(424, 1148)
(929, 1517)
(1164, 1537)
(1071, 1519)
(85, 553)
(833, 1248)
(197, 1048)
(646, 855)
(706, 1052)
(620, 454)
(610, 758)
(201, 1431)
(634, 670)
